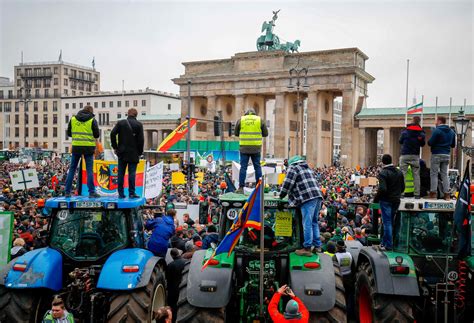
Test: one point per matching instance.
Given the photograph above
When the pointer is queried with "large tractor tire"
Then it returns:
(338, 313)
(191, 314)
(138, 305)
(20, 306)
(374, 307)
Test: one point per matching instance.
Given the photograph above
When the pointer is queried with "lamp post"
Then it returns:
(461, 124)
(25, 100)
(298, 74)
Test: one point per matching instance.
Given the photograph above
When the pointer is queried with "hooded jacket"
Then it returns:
(391, 185)
(84, 116)
(163, 230)
(442, 140)
(412, 139)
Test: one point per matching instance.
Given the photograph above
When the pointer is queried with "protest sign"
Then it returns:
(154, 181)
(373, 181)
(6, 229)
(178, 178)
(174, 167)
(24, 179)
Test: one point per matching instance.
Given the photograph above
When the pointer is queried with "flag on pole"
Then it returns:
(249, 217)
(60, 55)
(462, 216)
(93, 62)
(230, 186)
(417, 108)
(175, 136)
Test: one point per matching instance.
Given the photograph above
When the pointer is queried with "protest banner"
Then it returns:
(154, 181)
(174, 167)
(24, 179)
(6, 229)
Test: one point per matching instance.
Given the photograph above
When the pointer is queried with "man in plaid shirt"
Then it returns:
(303, 191)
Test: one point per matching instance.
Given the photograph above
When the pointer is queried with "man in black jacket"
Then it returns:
(173, 278)
(412, 139)
(129, 149)
(391, 187)
(84, 131)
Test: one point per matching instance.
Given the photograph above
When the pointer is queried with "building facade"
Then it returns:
(6, 103)
(31, 109)
(110, 107)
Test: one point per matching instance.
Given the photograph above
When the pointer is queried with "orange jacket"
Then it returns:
(277, 317)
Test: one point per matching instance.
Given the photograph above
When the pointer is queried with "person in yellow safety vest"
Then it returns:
(84, 131)
(250, 129)
(409, 183)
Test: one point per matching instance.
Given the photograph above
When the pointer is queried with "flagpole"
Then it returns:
(406, 93)
(436, 110)
(422, 113)
(450, 106)
(262, 244)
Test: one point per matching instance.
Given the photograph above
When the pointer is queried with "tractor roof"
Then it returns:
(100, 202)
(426, 205)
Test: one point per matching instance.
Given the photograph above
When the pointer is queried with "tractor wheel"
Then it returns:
(191, 314)
(373, 307)
(338, 312)
(20, 306)
(138, 305)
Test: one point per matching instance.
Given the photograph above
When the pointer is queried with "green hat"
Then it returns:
(295, 159)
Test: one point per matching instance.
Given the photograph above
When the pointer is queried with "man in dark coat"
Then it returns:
(173, 278)
(84, 131)
(391, 187)
(129, 149)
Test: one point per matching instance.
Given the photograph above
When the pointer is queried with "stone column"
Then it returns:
(281, 130)
(239, 105)
(148, 139)
(347, 126)
(387, 140)
(211, 112)
(313, 131)
(363, 147)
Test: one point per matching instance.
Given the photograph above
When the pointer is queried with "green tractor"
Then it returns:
(228, 289)
(421, 279)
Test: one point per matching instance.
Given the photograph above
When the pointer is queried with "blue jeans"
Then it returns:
(310, 214)
(75, 158)
(244, 163)
(388, 215)
(132, 171)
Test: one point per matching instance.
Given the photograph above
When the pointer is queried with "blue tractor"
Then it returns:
(95, 260)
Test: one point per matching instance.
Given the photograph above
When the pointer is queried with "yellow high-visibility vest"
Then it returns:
(409, 181)
(250, 130)
(81, 132)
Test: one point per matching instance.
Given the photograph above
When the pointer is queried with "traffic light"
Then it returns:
(231, 129)
(217, 126)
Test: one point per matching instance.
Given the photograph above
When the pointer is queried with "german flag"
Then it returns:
(175, 136)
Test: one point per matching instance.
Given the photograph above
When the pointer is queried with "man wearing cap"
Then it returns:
(295, 311)
(250, 129)
(303, 191)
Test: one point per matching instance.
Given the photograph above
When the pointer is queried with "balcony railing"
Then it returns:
(82, 78)
(41, 74)
(32, 96)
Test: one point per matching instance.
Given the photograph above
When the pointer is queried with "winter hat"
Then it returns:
(292, 310)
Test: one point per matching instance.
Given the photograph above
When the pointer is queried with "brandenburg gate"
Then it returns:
(252, 79)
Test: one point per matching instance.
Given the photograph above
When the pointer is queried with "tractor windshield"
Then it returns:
(88, 234)
(425, 232)
(282, 232)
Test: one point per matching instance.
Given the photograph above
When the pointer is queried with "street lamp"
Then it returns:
(461, 124)
(298, 74)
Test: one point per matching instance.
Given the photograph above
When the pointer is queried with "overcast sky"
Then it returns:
(144, 42)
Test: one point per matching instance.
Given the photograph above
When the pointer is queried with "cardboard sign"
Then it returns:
(364, 182)
(178, 178)
(174, 167)
(154, 181)
(24, 179)
(283, 224)
(200, 177)
(373, 181)
(368, 190)
(6, 229)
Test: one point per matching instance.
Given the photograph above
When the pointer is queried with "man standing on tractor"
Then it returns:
(303, 191)
(250, 129)
(441, 142)
(58, 313)
(128, 149)
(295, 311)
(391, 187)
(412, 139)
(84, 131)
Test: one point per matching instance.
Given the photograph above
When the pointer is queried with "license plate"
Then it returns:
(88, 204)
(439, 206)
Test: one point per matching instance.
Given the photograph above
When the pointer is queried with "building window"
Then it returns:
(37, 83)
(55, 145)
(18, 82)
(66, 118)
(107, 119)
(127, 104)
(88, 103)
(17, 119)
(55, 105)
(56, 81)
(169, 106)
(1, 106)
(81, 105)
(1, 94)
(55, 132)
(37, 93)
(56, 93)
(119, 116)
(111, 104)
(95, 87)
(55, 70)
(45, 119)
(65, 135)
(143, 103)
(46, 93)
(65, 92)
(17, 132)
(55, 119)
(65, 82)
(135, 103)
(74, 105)
(35, 119)
(45, 106)
(119, 104)
(143, 113)
(35, 106)
(67, 105)
(103, 104)
(47, 83)
(27, 134)
(65, 71)
(73, 93)
(45, 132)
(17, 106)
(35, 132)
